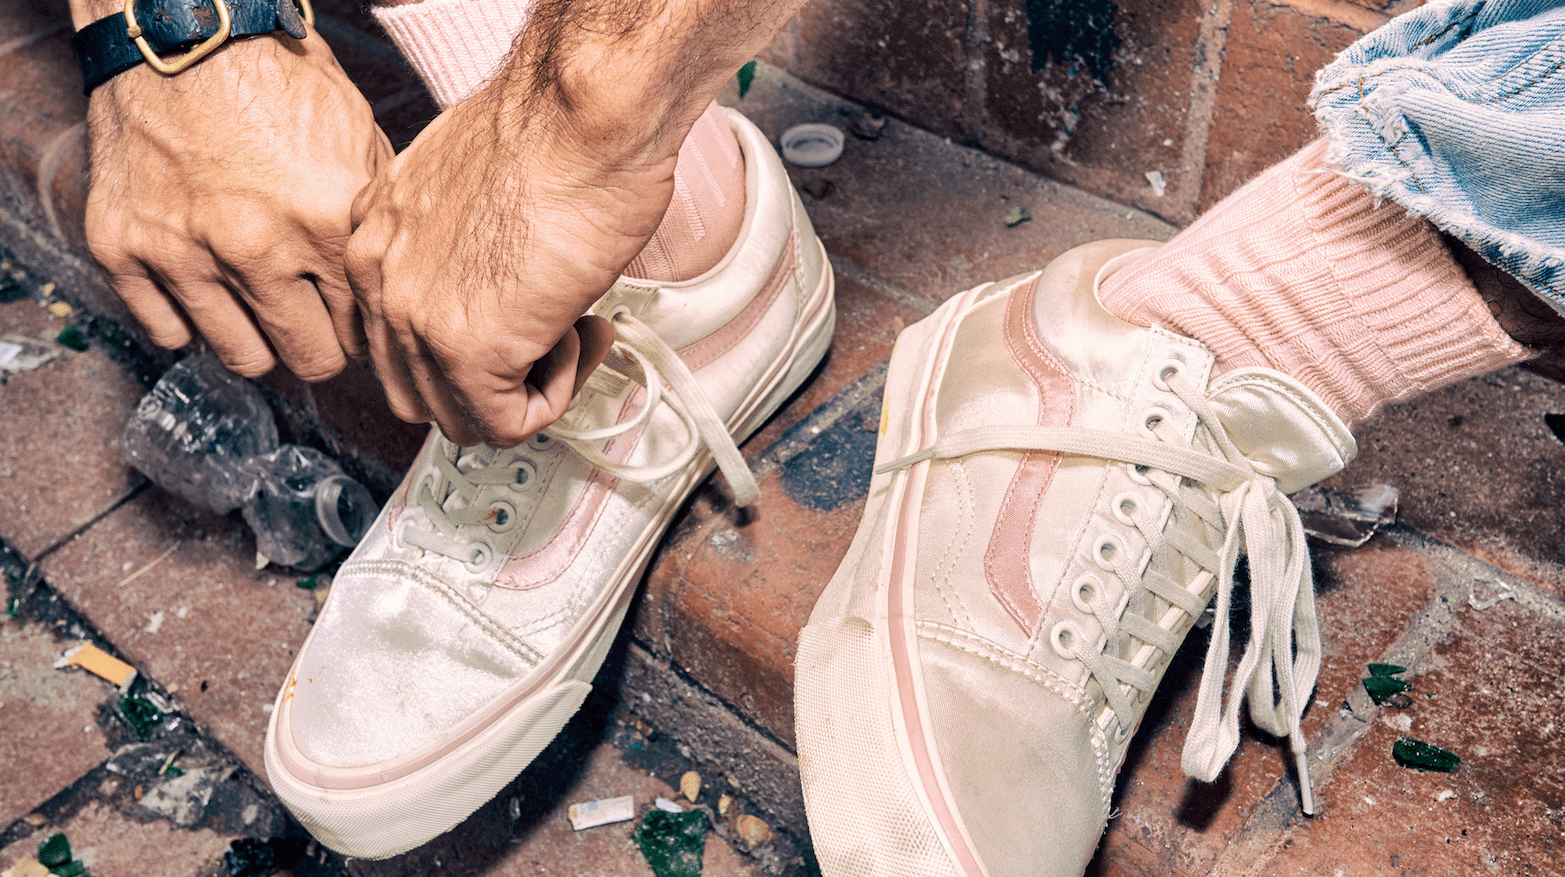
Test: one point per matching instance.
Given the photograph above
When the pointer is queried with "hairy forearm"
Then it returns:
(631, 76)
(85, 12)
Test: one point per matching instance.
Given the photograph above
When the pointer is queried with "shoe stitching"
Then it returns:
(957, 545)
(391, 569)
(1307, 405)
(1005, 659)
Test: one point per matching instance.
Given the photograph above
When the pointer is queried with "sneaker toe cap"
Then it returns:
(1019, 760)
(390, 666)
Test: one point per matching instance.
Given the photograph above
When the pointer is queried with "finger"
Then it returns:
(296, 320)
(165, 324)
(391, 369)
(223, 320)
(597, 336)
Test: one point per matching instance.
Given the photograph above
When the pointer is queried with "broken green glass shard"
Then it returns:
(140, 712)
(309, 583)
(746, 76)
(1386, 669)
(54, 851)
(673, 842)
(72, 337)
(1382, 687)
(69, 869)
(1419, 755)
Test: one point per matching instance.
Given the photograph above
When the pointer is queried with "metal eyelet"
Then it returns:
(1106, 549)
(502, 516)
(525, 471)
(541, 442)
(479, 558)
(1138, 474)
(1121, 733)
(1125, 507)
(1168, 369)
(1062, 636)
(1083, 590)
(1151, 418)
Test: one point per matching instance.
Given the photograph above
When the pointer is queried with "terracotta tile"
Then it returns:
(867, 326)
(730, 591)
(1496, 703)
(927, 216)
(51, 734)
(60, 464)
(1477, 467)
(201, 620)
(27, 21)
(1104, 129)
(43, 91)
(1269, 62)
(907, 57)
(108, 841)
(1170, 824)
(540, 841)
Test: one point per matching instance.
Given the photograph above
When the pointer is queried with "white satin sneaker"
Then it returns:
(1058, 495)
(463, 632)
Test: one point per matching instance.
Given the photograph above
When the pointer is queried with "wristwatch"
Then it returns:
(149, 28)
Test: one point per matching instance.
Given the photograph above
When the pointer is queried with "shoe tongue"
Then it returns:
(1285, 430)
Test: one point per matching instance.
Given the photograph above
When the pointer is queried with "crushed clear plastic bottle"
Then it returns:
(190, 434)
(208, 436)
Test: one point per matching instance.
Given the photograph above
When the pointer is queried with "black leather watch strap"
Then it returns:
(104, 48)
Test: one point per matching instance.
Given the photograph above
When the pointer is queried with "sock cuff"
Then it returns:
(456, 46)
(1412, 299)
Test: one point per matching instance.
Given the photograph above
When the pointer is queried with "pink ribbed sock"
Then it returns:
(458, 45)
(704, 218)
(1301, 271)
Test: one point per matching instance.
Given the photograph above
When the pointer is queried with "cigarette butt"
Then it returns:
(595, 813)
(99, 663)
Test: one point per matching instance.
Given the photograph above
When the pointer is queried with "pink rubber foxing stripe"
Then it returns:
(900, 621)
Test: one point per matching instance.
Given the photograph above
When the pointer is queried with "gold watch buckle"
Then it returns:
(204, 48)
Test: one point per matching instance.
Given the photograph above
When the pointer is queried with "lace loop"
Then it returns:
(452, 496)
(1278, 668)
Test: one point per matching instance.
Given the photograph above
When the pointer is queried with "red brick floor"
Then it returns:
(909, 219)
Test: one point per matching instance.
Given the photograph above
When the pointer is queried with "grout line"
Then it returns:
(1264, 831)
(1211, 40)
(875, 283)
(798, 437)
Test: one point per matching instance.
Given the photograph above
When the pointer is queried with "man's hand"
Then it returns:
(476, 253)
(220, 201)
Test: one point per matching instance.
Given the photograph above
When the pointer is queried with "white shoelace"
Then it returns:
(452, 496)
(1255, 520)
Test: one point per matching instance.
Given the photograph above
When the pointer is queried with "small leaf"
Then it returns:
(1419, 755)
(1385, 669)
(746, 76)
(54, 851)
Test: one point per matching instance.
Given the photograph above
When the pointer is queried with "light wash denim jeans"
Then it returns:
(1456, 111)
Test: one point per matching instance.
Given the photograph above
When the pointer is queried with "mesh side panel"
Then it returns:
(864, 816)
